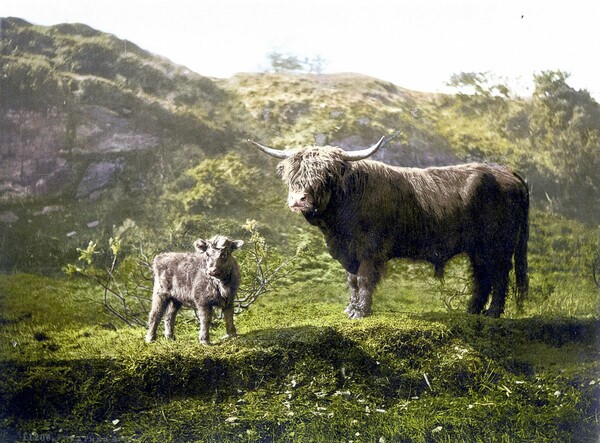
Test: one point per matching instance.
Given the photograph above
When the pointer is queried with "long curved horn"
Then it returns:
(277, 153)
(364, 153)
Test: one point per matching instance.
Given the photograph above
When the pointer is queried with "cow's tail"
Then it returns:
(521, 267)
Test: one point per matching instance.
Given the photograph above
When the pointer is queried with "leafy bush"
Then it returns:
(94, 56)
(218, 183)
(29, 82)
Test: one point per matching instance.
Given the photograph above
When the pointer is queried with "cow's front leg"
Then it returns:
(204, 316)
(229, 326)
(369, 274)
(353, 286)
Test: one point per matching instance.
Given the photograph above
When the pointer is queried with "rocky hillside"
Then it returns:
(347, 110)
(74, 100)
(71, 94)
(96, 132)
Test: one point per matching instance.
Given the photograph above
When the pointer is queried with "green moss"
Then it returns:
(293, 376)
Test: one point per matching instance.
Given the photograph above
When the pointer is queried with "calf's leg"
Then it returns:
(170, 314)
(204, 314)
(159, 303)
(229, 326)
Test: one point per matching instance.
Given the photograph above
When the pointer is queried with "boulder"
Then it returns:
(46, 210)
(54, 181)
(98, 176)
(8, 217)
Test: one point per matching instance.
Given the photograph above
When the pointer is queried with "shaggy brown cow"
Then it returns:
(208, 277)
(370, 212)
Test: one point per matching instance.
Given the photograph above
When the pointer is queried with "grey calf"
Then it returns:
(208, 277)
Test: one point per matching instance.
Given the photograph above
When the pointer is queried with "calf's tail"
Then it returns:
(521, 267)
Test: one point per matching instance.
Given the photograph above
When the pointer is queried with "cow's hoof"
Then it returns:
(204, 342)
(355, 314)
(493, 313)
(350, 308)
(149, 339)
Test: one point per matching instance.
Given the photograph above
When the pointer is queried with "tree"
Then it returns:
(284, 63)
(566, 122)
(479, 93)
(291, 63)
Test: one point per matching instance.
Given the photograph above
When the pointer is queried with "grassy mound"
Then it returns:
(298, 372)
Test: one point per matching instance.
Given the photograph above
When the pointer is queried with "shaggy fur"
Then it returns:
(370, 212)
(203, 279)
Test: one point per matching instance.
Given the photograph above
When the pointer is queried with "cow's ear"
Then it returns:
(237, 244)
(200, 245)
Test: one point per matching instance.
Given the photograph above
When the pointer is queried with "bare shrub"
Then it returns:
(125, 280)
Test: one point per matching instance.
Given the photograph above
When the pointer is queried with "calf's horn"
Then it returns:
(277, 153)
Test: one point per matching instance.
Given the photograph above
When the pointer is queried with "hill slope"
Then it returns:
(94, 131)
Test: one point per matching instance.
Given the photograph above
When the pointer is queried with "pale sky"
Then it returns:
(416, 44)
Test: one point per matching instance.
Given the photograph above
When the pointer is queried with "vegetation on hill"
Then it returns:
(73, 98)
(100, 139)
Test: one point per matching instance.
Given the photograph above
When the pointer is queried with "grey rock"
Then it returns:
(98, 176)
(55, 181)
(8, 217)
(51, 209)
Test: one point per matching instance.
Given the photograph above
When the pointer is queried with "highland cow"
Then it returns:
(206, 278)
(370, 212)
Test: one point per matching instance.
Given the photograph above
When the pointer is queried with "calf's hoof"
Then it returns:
(229, 336)
(204, 342)
(149, 339)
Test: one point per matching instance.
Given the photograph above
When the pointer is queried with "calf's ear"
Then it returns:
(200, 245)
(237, 244)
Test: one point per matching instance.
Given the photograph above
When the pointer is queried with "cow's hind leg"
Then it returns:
(159, 304)
(369, 274)
(353, 286)
(482, 286)
(170, 314)
(500, 289)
